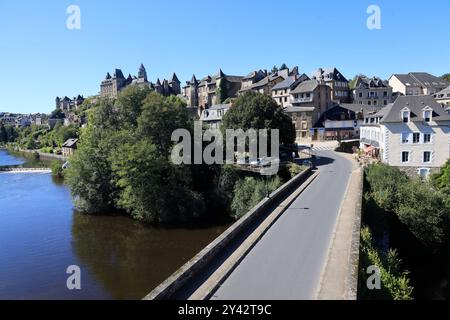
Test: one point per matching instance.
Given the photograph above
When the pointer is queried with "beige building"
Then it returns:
(443, 98)
(69, 147)
(372, 91)
(310, 100)
(417, 84)
(412, 133)
(339, 85)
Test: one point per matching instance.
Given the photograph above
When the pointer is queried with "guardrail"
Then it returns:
(194, 267)
(12, 169)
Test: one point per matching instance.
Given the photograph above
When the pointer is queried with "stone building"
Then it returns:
(211, 90)
(264, 85)
(309, 100)
(112, 85)
(340, 90)
(67, 104)
(372, 91)
(281, 92)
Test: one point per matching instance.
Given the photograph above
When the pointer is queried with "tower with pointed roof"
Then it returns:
(142, 73)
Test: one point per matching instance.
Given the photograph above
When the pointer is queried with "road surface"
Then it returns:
(288, 261)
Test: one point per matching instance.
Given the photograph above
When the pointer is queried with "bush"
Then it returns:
(57, 170)
(248, 192)
(394, 282)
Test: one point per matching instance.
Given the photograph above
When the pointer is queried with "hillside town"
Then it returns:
(402, 121)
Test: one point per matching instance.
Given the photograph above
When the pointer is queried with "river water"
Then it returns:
(41, 235)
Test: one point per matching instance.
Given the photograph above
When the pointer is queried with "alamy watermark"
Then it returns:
(73, 22)
(74, 280)
(241, 147)
(374, 19)
(374, 280)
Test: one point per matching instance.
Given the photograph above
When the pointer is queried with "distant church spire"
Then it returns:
(142, 72)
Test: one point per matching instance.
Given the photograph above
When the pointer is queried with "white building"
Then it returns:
(213, 115)
(412, 133)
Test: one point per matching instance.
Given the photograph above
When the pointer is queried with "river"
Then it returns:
(41, 235)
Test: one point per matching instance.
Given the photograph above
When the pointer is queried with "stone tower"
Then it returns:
(194, 92)
(142, 72)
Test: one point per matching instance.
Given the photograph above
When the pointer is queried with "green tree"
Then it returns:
(248, 192)
(446, 77)
(57, 114)
(129, 105)
(284, 66)
(352, 82)
(3, 133)
(423, 211)
(441, 180)
(254, 110)
(160, 117)
(152, 189)
(222, 91)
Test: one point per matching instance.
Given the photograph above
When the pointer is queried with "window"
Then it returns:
(427, 157)
(360, 95)
(385, 102)
(416, 137)
(405, 116)
(385, 94)
(427, 116)
(405, 137)
(427, 138)
(405, 156)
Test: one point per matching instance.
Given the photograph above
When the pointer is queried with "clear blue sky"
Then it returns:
(41, 58)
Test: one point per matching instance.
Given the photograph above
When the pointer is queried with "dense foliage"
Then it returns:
(7, 133)
(422, 208)
(249, 192)
(394, 282)
(254, 110)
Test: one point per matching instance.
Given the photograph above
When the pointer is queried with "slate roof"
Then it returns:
(392, 112)
(443, 94)
(328, 74)
(70, 143)
(367, 83)
(423, 79)
(306, 86)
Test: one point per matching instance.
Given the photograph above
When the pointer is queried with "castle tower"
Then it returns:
(174, 84)
(194, 92)
(142, 73)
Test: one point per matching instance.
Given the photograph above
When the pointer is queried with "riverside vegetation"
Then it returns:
(123, 161)
(412, 215)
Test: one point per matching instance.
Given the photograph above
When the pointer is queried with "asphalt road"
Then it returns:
(288, 261)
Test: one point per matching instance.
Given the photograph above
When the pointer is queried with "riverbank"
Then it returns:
(40, 228)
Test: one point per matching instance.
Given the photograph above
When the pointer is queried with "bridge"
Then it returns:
(302, 242)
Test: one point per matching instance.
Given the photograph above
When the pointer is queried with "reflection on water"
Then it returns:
(129, 258)
(41, 235)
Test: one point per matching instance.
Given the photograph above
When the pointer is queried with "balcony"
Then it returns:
(302, 100)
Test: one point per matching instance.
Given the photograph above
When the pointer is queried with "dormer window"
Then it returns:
(405, 116)
(427, 114)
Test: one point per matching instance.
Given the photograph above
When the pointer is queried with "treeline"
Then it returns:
(122, 162)
(7, 133)
(410, 209)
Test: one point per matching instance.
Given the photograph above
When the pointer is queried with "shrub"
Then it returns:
(394, 282)
(57, 170)
(248, 192)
